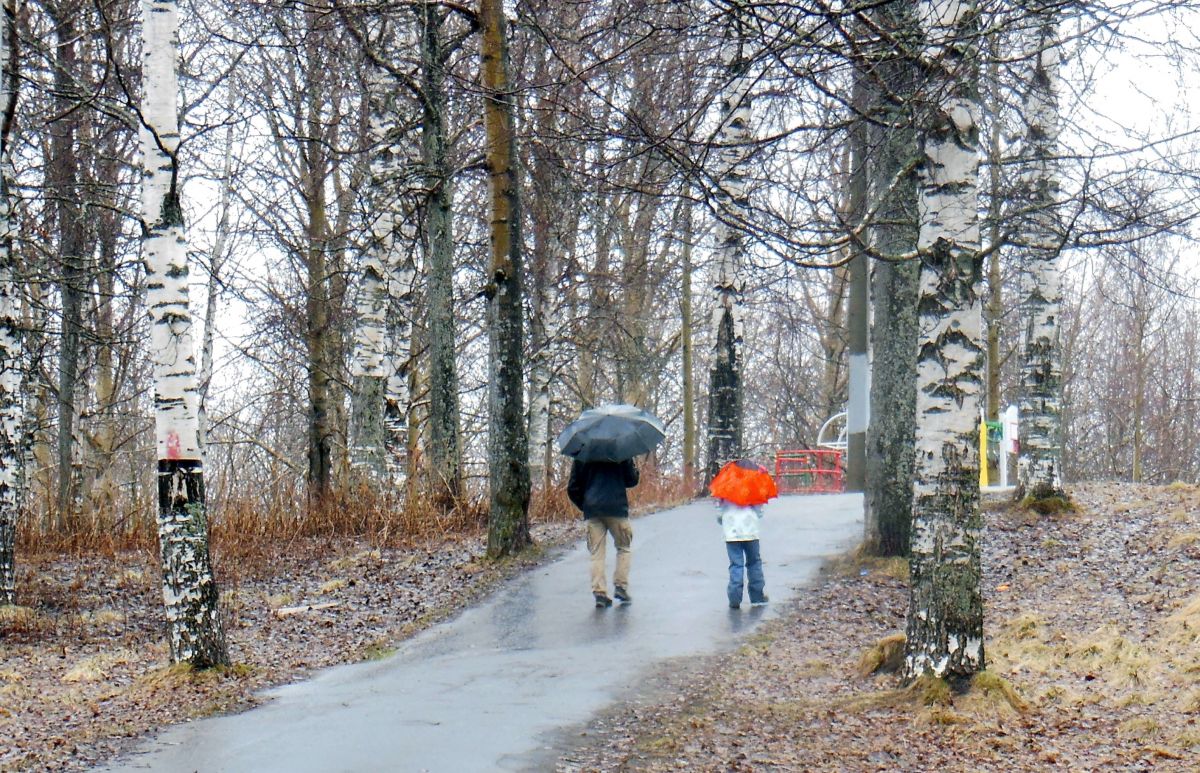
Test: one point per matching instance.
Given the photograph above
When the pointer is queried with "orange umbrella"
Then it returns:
(744, 483)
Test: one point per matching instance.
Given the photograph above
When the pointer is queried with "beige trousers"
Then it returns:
(622, 534)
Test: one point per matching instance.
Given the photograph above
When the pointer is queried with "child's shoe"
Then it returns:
(622, 595)
(602, 600)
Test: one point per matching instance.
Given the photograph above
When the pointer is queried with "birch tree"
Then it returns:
(686, 345)
(945, 616)
(555, 213)
(401, 435)
(189, 587)
(369, 367)
(11, 400)
(218, 254)
(508, 443)
(731, 201)
(1039, 467)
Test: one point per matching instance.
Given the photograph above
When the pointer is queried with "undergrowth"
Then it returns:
(252, 525)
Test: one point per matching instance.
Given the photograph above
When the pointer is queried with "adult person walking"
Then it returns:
(598, 489)
(603, 442)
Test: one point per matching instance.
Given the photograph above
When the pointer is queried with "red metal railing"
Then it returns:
(807, 471)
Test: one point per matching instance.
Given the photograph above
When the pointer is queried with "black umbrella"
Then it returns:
(611, 433)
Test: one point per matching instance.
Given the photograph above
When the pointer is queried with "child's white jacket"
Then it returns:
(740, 523)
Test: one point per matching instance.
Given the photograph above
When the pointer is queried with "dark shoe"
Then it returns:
(622, 595)
(602, 600)
(735, 605)
(761, 602)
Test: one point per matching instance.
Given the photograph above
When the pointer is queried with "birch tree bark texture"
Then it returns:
(400, 420)
(189, 588)
(732, 199)
(945, 617)
(11, 400)
(508, 443)
(1039, 465)
(554, 217)
(369, 364)
(686, 346)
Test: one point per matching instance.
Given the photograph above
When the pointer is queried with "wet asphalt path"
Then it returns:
(491, 689)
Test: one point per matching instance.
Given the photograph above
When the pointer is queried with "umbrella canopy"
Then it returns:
(744, 483)
(611, 433)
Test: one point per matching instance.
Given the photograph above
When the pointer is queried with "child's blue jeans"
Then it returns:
(745, 560)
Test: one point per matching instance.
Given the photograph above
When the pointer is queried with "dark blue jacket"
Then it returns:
(598, 488)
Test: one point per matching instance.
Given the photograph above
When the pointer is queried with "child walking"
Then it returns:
(740, 524)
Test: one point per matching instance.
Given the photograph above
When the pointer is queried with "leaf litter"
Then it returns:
(1092, 625)
(1093, 621)
(84, 670)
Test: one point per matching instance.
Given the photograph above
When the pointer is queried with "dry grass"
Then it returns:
(923, 693)
(1093, 622)
(887, 655)
(1183, 540)
(858, 562)
(992, 693)
(655, 491)
(1051, 505)
(249, 527)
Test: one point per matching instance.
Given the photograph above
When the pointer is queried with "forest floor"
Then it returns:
(1091, 635)
(1091, 627)
(83, 669)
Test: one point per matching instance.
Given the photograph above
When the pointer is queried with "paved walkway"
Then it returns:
(488, 690)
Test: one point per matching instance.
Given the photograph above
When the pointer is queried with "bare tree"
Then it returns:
(445, 446)
(12, 417)
(508, 443)
(888, 496)
(189, 588)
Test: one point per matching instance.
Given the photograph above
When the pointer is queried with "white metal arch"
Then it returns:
(837, 442)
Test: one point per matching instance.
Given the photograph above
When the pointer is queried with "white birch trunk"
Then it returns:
(733, 138)
(539, 399)
(368, 368)
(369, 364)
(189, 588)
(11, 400)
(401, 279)
(1039, 466)
(551, 219)
(216, 262)
(945, 617)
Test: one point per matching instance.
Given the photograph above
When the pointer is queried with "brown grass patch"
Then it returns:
(858, 562)
(1050, 505)
(885, 656)
(990, 691)
(1183, 540)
